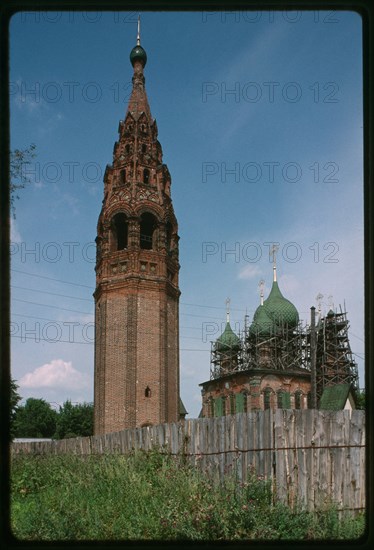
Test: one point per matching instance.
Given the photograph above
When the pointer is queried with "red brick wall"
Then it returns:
(254, 385)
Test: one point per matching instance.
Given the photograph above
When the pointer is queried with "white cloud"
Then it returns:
(249, 272)
(56, 374)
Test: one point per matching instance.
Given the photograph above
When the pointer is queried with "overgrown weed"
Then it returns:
(153, 495)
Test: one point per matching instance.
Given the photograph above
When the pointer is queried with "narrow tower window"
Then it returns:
(144, 148)
(147, 228)
(146, 175)
(119, 232)
(147, 392)
(123, 176)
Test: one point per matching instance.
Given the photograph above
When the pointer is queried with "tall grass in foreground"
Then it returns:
(153, 496)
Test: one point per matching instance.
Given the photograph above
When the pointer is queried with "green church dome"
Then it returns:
(228, 340)
(274, 312)
(262, 323)
(138, 53)
(279, 309)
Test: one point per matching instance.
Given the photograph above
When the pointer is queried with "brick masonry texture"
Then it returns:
(137, 292)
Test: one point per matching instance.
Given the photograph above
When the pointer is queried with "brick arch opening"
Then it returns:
(119, 232)
(148, 225)
(146, 175)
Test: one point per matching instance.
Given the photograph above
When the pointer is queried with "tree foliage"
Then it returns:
(74, 420)
(35, 418)
(360, 399)
(15, 398)
(19, 159)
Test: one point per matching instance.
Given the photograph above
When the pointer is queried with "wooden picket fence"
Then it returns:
(311, 457)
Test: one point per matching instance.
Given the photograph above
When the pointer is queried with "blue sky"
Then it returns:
(260, 120)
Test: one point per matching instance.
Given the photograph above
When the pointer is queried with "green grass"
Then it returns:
(153, 496)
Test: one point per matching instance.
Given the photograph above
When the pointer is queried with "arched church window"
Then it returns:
(146, 175)
(147, 392)
(283, 400)
(267, 396)
(147, 228)
(119, 232)
(122, 177)
(298, 400)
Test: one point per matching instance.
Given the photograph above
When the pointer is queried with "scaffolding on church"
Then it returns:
(334, 358)
(224, 361)
(283, 349)
(289, 350)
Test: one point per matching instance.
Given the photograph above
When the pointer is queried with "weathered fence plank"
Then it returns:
(311, 457)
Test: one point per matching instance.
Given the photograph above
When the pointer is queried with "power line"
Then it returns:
(35, 317)
(50, 278)
(51, 293)
(55, 341)
(56, 307)
(91, 288)
(355, 335)
(62, 321)
(90, 313)
(50, 340)
(89, 300)
(211, 307)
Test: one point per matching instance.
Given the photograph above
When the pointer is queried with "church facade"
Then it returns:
(137, 294)
(277, 363)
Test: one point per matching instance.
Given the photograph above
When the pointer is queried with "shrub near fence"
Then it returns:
(312, 457)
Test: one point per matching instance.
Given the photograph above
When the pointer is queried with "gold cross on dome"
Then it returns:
(273, 252)
(227, 309)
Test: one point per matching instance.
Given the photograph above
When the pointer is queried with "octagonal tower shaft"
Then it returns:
(137, 292)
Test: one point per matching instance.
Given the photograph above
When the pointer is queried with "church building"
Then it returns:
(278, 363)
(137, 293)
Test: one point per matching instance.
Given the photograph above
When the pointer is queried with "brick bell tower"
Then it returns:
(137, 293)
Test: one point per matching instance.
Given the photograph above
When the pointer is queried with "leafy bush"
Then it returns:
(152, 495)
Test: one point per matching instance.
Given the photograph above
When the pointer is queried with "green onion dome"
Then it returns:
(262, 324)
(280, 310)
(228, 340)
(138, 54)
(274, 312)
